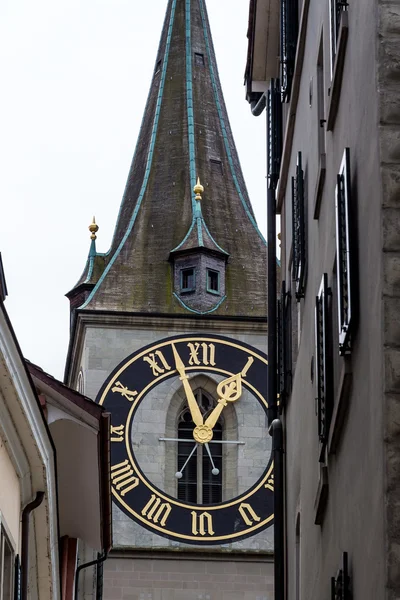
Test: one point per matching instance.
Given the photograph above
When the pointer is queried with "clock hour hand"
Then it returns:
(193, 406)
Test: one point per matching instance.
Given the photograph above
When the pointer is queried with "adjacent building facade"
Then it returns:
(54, 493)
(168, 331)
(328, 72)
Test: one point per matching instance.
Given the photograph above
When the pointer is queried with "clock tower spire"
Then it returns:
(168, 333)
(185, 133)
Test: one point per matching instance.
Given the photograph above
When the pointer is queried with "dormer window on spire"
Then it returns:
(199, 264)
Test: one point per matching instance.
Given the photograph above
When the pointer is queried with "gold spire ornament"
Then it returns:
(198, 190)
(93, 228)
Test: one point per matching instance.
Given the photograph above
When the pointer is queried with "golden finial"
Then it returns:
(198, 190)
(280, 239)
(93, 228)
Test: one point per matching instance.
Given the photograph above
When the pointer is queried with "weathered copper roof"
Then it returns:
(185, 133)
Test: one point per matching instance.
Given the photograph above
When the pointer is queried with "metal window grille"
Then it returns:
(198, 484)
(336, 8)
(274, 132)
(7, 565)
(99, 579)
(343, 252)
(284, 345)
(289, 34)
(341, 583)
(322, 365)
(299, 230)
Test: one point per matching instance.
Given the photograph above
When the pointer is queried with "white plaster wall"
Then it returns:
(10, 496)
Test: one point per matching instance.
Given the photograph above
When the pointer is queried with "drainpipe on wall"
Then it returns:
(25, 542)
(279, 515)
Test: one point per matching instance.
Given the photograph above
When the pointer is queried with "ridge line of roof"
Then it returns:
(222, 123)
(149, 159)
(189, 102)
(199, 312)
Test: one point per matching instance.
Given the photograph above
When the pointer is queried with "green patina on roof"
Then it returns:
(185, 127)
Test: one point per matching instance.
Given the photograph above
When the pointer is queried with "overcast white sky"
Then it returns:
(74, 77)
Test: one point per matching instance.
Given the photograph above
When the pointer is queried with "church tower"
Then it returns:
(168, 333)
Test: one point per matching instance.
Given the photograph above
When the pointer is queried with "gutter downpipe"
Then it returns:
(275, 424)
(92, 563)
(257, 106)
(279, 527)
(25, 542)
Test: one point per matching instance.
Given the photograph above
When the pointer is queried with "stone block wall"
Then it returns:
(187, 578)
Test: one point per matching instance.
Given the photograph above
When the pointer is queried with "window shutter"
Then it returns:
(340, 585)
(323, 366)
(343, 253)
(299, 233)
(17, 579)
(289, 33)
(284, 346)
(274, 132)
(336, 8)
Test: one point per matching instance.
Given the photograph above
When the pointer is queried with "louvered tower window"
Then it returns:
(299, 230)
(323, 366)
(274, 132)
(289, 34)
(336, 9)
(343, 252)
(199, 484)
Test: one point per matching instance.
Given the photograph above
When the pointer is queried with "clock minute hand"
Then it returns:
(193, 406)
(229, 390)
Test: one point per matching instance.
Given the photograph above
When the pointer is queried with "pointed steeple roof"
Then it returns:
(185, 131)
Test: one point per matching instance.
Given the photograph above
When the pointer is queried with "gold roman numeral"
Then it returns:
(270, 484)
(248, 514)
(117, 433)
(202, 354)
(122, 477)
(123, 390)
(157, 363)
(202, 523)
(156, 510)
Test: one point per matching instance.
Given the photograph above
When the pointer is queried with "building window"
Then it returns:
(199, 59)
(79, 384)
(299, 230)
(199, 473)
(216, 166)
(274, 132)
(158, 67)
(343, 250)
(188, 280)
(336, 10)
(6, 566)
(289, 33)
(323, 367)
(212, 281)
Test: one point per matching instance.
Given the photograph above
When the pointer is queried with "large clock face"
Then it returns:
(190, 450)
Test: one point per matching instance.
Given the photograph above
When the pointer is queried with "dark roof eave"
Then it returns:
(201, 249)
(73, 396)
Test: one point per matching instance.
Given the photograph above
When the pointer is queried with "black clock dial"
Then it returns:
(240, 375)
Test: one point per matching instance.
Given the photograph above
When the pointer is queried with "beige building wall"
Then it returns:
(10, 497)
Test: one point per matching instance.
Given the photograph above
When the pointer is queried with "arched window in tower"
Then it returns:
(80, 383)
(199, 470)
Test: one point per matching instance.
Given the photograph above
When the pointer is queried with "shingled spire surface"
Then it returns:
(185, 133)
